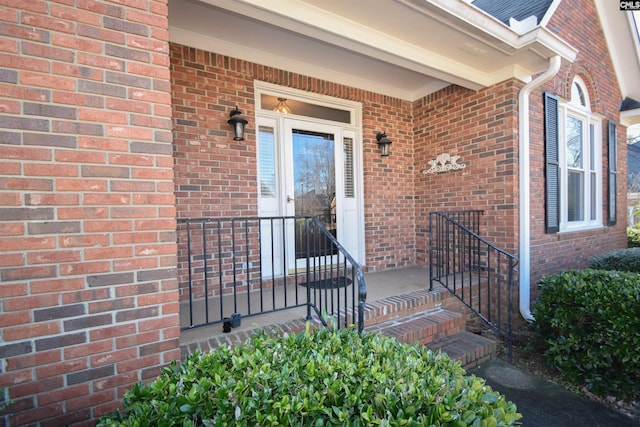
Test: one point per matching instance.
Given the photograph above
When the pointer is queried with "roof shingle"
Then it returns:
(518, 9)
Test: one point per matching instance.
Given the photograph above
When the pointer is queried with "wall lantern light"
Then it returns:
(237, 120)
(383, 143)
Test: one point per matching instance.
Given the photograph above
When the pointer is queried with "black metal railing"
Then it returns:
(232, 268)
(478, 273)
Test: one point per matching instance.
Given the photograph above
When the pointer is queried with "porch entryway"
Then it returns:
(468, 280)
(399, 305)
(382, 285)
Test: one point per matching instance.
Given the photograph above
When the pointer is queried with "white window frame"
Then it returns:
(580, 109)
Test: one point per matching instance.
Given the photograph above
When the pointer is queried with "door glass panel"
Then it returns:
(267, 161)
(314, 187)
(349, 190)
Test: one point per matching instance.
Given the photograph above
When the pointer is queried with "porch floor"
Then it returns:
(380, 285)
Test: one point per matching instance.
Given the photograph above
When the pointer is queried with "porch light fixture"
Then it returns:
(237, 120)
(282, 106)
(383, 143)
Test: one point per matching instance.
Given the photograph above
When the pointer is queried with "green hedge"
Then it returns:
(590, 323)
(633, 237)
(619, 259)
(316, 378)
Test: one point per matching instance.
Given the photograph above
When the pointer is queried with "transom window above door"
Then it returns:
(286, 105)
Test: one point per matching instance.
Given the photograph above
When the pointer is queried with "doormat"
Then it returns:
(332, 283)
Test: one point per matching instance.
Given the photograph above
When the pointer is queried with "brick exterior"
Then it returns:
(88, 301)
(480, 127)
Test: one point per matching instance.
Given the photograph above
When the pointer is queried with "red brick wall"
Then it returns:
(481, 128)
(216, 176)
(577, 23)
(88, 301)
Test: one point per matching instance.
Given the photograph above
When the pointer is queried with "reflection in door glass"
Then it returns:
(314, 186)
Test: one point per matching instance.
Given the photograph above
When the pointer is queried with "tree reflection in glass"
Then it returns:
(314, 181)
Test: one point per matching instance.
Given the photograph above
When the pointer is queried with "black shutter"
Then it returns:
(552, 164)
(613, 172)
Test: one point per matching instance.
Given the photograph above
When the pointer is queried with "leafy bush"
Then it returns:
(633, 232)
(633, 236)
(316, 378)
(619, 259)
(589, 321)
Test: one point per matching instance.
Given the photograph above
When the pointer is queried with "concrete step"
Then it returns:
(470, 349)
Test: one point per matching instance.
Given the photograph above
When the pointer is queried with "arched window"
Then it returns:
(573, 157)
(579, 94)
(580, 153)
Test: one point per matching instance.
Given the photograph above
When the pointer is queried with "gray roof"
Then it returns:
(629, 104)
(518, 9)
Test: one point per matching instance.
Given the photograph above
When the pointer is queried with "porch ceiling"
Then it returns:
(401, 48)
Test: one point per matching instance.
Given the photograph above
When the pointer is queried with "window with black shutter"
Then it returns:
(612, 173)
(552, 165)
(573, 163)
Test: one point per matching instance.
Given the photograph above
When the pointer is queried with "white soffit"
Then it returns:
(622, 40)
(630, 117)
(401, 48)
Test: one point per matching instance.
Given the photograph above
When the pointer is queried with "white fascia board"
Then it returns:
(503, 35)
(548, 44)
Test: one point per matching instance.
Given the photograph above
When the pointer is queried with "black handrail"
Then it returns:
(356, 271)
(241, 267)
(473, 269)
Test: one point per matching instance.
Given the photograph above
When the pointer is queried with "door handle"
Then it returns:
(289, 199)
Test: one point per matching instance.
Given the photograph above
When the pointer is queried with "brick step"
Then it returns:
(407, 304)
(469, 348)
(423, 327)
(440, 329)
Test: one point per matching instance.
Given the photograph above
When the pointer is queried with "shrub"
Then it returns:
(633, 232)
(315, 379)
(589, 321)
(633, 236)
(619, 259)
